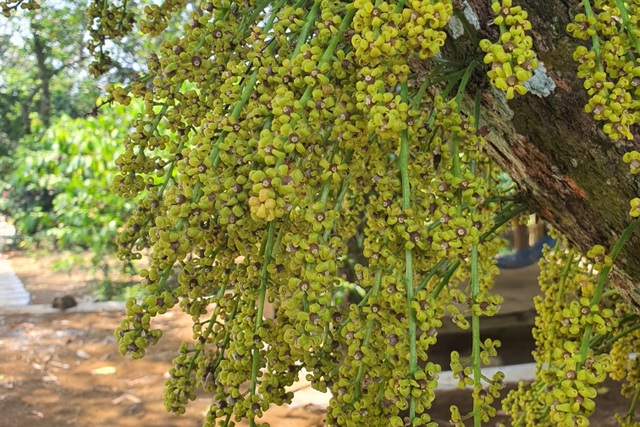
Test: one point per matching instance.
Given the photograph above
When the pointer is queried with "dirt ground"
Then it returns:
(44, 278)
(63, 369)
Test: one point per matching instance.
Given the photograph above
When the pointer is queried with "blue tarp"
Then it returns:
(525, 257)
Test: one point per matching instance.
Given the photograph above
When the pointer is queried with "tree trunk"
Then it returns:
(25, 109)
(44, 74)
(571, 171)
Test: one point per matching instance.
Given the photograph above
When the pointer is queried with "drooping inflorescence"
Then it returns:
(583, 331)
(608, 65)
(291, 131)
(511, 58)
(301, 146)
(8, 6)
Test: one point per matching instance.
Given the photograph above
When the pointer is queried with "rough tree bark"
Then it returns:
(571, 172)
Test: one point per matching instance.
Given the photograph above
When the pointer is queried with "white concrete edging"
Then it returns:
(304, 395)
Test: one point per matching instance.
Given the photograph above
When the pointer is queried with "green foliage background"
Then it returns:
(58, 193)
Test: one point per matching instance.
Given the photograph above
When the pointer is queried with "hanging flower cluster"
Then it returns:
(568, 372)
(107, 21)
(284, 141)
(609, 65)
(511, 58)
(290, 130)
(8, 6)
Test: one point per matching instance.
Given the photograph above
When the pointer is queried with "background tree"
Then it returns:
(43, 68)
(55, 163)
(44, 80)
(58, 193)
(43, 59)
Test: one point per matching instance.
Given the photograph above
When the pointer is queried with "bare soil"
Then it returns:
(44, 284)
(63, 369)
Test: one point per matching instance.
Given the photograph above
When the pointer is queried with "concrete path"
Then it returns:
(12, 291)
(304, 395)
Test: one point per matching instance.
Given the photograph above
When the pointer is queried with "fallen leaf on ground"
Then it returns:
(83, 354)
(126, 396)
(50, 378)
(106, 370)
(59, 365)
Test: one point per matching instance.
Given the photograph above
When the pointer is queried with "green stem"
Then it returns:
(367, 336)
(455, 139)
(122, 14)
(465, 79)
(221, 347)
(456, 166)
(624, 14)
(327, 185)
(445, 279)
(501, 219)
(634, 403)
(595, 41)
(475, 336)
(597, 294)
(557, 306)
(417, 99)
(326, 57)
(429, 275)
(626, 235)
(266, 249)
(251, 19)
(506, 217)
(408, 254)
(304, 33)
(404, 161)
(622, 334)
